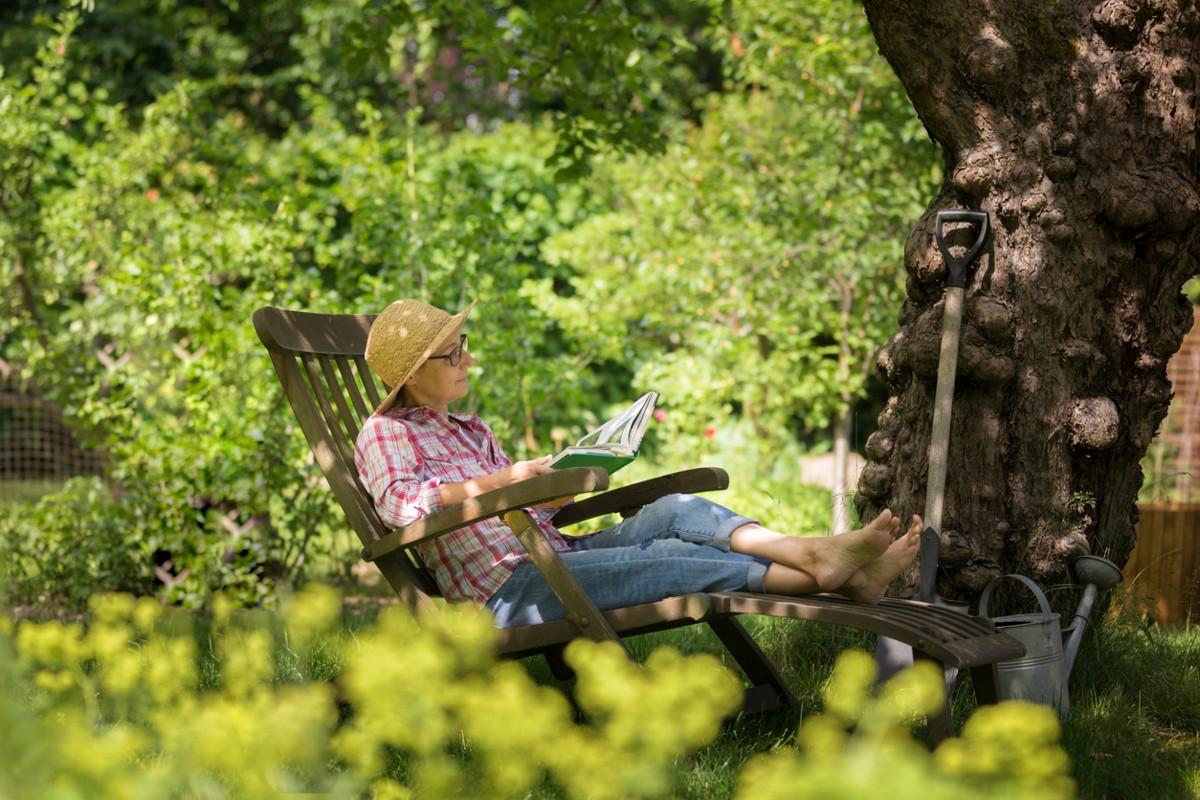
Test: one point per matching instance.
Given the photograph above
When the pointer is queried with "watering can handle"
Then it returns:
(1033, 587)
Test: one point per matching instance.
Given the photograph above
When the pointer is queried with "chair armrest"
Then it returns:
(629, 499)
(551, 486)
(582, 611)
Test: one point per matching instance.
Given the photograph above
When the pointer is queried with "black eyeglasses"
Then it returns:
(455, 355)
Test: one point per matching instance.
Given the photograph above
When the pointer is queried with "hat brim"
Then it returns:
(446, 330)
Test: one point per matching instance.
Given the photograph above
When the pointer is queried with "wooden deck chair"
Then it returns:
(319, 360)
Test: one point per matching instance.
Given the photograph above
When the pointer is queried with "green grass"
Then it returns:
(1135, 725)
(13, 492)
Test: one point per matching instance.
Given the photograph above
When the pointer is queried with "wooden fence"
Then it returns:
(1162, 576)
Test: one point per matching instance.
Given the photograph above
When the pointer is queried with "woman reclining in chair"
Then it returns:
(415, 457)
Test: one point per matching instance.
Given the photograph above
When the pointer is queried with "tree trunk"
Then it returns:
(841, 466)
(1074, 125)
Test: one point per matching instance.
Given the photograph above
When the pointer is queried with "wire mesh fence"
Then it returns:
(38, 451)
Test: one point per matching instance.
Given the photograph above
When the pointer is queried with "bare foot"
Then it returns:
(868, 584)
(832, 561)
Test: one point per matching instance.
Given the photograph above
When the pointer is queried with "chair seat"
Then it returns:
(669, 613)
(949, 636)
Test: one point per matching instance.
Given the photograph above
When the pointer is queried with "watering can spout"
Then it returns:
(1098, 574)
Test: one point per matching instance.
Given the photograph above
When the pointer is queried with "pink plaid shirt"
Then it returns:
(404, 454)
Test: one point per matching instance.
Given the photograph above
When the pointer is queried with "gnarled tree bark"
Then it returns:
(1074, 125)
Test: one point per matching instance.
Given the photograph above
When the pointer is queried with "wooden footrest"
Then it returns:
(949, 636)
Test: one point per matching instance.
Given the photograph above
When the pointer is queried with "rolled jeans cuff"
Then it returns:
(756, 575)
(721, 538)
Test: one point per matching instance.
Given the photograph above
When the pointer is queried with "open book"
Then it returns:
(615, 443)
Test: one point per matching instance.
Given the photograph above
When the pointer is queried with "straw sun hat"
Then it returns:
(403, 337)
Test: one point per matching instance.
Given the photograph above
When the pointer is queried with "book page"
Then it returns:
(619, 429)
(620, 435)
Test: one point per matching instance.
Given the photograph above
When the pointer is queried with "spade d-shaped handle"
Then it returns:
(956, 269)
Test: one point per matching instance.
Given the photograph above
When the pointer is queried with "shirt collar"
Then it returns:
(427, 413)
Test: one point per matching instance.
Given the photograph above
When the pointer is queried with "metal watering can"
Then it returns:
(1041, 675)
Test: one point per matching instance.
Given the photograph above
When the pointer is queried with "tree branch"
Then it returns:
(28, 302)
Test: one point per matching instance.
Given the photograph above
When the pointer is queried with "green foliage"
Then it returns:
(90, 552)
(140, 257)
(608, 73)
(118, 709)
(755, 267)
(163, 175)
(123, 708)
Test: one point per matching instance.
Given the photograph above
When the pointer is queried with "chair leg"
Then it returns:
(940, 723)
(558, 667)
(769, 691)
(581, 611)
(984, 679)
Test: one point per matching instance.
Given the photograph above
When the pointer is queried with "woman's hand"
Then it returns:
(452, 493)
(524, 470)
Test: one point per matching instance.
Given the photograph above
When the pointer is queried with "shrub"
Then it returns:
(142, 703)
(70, 545)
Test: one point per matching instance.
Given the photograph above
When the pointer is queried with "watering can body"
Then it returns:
(1040, 676)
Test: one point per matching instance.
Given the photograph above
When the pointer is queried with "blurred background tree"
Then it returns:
(751, 269)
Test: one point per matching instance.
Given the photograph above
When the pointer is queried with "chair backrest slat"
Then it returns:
(333, 424)
(368, 381)
(341, 400)
(313, 356)
(346, 369)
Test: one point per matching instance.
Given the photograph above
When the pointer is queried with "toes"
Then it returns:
(914, 530)
(884, 520)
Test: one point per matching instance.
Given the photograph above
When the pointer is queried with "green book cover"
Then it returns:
(609, 462)
(615, 443)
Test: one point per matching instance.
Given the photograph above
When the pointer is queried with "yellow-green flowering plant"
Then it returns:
(145, 703)
(130, 706)
(861, 746)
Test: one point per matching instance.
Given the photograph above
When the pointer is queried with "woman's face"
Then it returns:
(436, 383)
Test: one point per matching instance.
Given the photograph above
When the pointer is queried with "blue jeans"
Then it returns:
(676, 545)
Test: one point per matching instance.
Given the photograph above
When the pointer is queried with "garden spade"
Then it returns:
(943, 399)
(890, 655)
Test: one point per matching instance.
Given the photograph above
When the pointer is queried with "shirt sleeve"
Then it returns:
(392, 470)
(542, 515)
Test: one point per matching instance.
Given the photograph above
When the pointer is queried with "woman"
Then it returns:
(415, 457)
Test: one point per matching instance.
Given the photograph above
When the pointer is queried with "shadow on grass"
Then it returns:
(1134, 730)
(804, 653)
